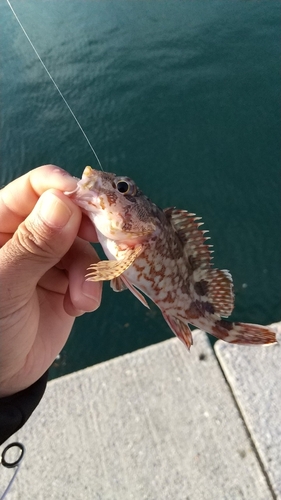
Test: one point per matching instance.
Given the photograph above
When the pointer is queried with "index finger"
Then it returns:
(19, 197)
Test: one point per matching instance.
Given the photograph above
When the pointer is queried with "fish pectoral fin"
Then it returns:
(110, 269)
(180, 329)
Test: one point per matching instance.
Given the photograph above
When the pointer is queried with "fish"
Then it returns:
(164, 255)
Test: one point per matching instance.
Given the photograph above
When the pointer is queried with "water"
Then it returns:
(183, 97)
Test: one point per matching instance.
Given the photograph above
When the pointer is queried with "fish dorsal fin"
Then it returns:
(215, 287)
(211, 285)
(185, 224)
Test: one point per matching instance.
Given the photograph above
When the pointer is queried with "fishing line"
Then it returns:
(54, 83)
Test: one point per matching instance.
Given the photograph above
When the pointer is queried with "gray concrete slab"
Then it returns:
(254, 374)
(159, 423)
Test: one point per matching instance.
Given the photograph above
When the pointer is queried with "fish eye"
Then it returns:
(125, 186)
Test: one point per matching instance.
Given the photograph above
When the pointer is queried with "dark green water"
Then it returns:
(183, 97)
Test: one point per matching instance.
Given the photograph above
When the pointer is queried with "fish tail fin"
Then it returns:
(242, 333)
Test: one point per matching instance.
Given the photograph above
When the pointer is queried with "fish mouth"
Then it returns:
(86, 197)
(82, 192)
(90, 177)
(87, 187)
(69, 193)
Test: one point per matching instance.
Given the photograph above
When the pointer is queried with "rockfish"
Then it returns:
(163, 254)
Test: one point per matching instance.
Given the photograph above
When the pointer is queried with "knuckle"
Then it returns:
(35, 240)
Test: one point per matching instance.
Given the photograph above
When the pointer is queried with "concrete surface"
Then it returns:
(160, 423)
(254, 375)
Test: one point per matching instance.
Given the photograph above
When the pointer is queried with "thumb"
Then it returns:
(40, 241)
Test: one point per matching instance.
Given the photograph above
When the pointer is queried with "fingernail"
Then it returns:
(61, 171)
(92, 290)
(53, 210)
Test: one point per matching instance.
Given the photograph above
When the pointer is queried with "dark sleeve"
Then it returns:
(15, 410)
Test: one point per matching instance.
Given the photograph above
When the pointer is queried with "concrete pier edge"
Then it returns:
(159, 423)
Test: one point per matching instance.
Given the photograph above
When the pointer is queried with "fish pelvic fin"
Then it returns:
(121, 283)
(180, 329)
(242, 333)
(118, 285)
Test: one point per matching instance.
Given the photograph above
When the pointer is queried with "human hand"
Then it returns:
(43, 259)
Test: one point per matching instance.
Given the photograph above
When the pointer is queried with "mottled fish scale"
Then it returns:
(163, 254)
